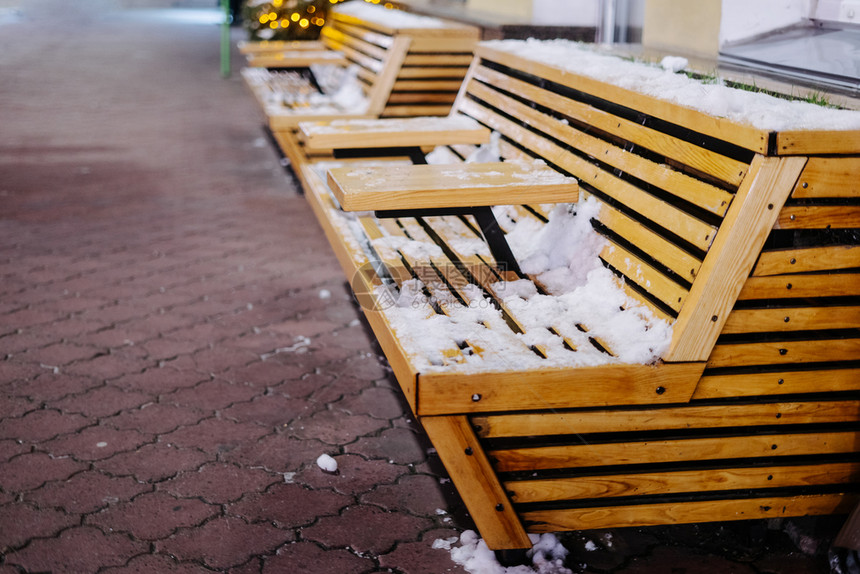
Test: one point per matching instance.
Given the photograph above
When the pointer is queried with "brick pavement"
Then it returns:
(177, 343)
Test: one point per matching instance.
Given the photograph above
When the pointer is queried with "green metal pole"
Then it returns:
(225, 40)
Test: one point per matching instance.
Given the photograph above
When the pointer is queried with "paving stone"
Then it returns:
(268, 373)
(97, 443)
(154, 462)
(155, 418)
(277, 453)
(289, 505)
(366, 529)
(152, 516)
(168, 347)
(86, 492)
(216, 435)
(160, 380)
(214, 395)
(417, 493)
(77, 550)
(354, 474)
(50, 386)
(219, 483)
(308, 557)
(335, 428)
(222, 358)
(13, 370)
(274, 410)
(421, 558)
(59, 354)
(399, 445)
(101, 402)
(224, 542)
(111, 366)
(20, 523)
(11, 448)
(16, 407)
(41, 425)
(31, 470)
(307, 385)
(157, 564)
(377, 402)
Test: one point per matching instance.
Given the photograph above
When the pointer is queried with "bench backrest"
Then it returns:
(688, 200)
(410, 65)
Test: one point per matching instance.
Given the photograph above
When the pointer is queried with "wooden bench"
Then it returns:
(399, 65)
(734, 254)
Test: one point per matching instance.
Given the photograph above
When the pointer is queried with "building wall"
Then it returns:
(683, 26)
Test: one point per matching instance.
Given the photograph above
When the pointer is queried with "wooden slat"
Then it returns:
(732, 256)
(687, 512)
(470, 470)
(299, 59)
(739, 134)
(661, 212)
(397, 98)
(406, 132)
(784, 352)
(416, 59)
(829, 258)
(644, 275)
(355, 27)
(777, 383)
(817, 142)
(261, 46)
(663, 418)
(665, 451)
(819, 217)
(791, 319)
(703, 160)
(649, 483)
(451, 392)
(431, 72)
(427, 85)
(432, 186)
(829, 177)
(801, 286)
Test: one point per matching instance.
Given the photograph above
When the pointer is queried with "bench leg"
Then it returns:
(469, 468)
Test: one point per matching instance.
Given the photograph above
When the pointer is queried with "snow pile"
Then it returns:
(547, 555)
(390, 18)
(759, 110)
(327, 463)
(563, 257)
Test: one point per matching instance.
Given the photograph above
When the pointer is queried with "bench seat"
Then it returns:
(680, 345)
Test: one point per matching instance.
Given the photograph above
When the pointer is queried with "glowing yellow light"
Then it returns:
(273, 25)
(264, 18)
(277, 3)
(285, 23)
(273, 16)
(389, 5)
(304, 23)
(295, 16)
(312, 9)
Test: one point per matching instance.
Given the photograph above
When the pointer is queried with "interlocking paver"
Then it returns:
(366, 529)
(97, 443)
(76, 550)
(224, 542)
(289, 505)
(152, 563)
(308, 557)
(86, 492)
(326, 426)
(21, 522)
(101, 402)
(219, 483)
(32, 469)
(152, 516)
(40, 425)
(154, 462)
(354, 474)
(216, 435)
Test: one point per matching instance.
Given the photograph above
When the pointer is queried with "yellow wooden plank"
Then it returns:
(398, 132)
(732, 256)
(651, 483)
(777, 383)
(801, 286)
(784, 352)
(437, 59)
(472, 474)
(466, 185)
(756, 140)
(829, 177)
(663, 418)
(692, 229)
(299, 59)
(831, 258)
(791, 319)
(819, 217)
(247, 47)
(697, 157)
(666, 451)
(559, 388)
(647, 277)
(687, 512)
(811, 142)
(381, 90)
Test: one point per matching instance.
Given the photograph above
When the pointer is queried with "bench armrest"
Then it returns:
(414, 187)
(297, 59)
(397, 132)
